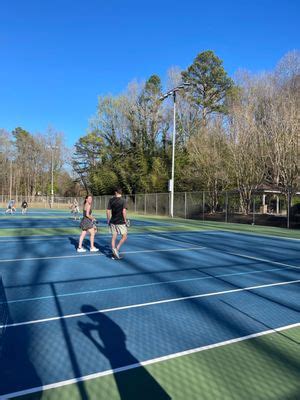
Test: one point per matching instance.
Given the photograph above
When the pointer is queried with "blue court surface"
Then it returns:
(72, 317)
(36, 219)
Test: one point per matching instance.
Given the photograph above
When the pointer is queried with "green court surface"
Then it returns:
(264, 368)
(153, 224)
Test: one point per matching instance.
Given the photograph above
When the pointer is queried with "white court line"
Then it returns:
(265, 235)
(151, 284)
(38, 238)
(253, 234)
(162, 250)
(152, 303)
(100, 254)
(49, 258)
(238, 254)
(28, 239)
(263, 260)
(235, 231)
(149, 362)
(197, 230)
(227, 252)
(173, 240)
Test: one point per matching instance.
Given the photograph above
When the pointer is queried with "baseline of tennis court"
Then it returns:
(74, 316)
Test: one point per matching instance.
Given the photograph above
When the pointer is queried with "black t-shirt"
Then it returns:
(117, 205)
(24, 204)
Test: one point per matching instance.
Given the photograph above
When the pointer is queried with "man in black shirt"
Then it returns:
(24, 206)
(116, 219)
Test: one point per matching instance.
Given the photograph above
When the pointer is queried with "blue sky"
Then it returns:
(57, 56)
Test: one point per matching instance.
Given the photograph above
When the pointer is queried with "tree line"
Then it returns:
(26, 162)
(236, 133)
(232, 134)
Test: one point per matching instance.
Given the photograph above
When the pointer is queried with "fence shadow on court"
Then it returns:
(14, 345)
(135, 383)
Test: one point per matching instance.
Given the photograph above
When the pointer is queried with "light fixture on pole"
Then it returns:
(173, 93)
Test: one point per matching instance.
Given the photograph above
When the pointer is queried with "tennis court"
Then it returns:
(193, 311)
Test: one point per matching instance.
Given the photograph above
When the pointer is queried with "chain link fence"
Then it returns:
(264, 208)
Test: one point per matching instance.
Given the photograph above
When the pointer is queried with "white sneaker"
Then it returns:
(94, 249)
(116, 254)
(81, 250)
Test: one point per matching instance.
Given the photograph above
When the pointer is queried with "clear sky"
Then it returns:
(57, 56)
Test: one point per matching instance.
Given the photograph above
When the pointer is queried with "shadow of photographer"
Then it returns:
(134, 382)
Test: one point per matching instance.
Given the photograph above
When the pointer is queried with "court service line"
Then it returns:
(173, 240)
(39, 238)
(225, 233)
(152, 303)
(263, 260)
(240, 255)
(257, 234)
(163, 250)
(101, 254)
(112, 289)
(149, 362)
(253, 234)
(50, 258)
(32, 239)
(226, 230)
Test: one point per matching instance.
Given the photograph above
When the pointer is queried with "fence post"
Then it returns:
(253, 211)
(203, 206)
(145, 203)
(185, 205)
(156, 204)
(226, 207)
(288, 208)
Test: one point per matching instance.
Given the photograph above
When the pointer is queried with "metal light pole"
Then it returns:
(173, 93)
(52, 173)
(10, 179)
(52, 178)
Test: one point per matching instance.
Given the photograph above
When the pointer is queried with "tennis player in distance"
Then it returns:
(116, 220)
(75, 209)
(11, 207)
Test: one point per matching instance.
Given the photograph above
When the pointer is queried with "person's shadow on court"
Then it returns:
(135, 383)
